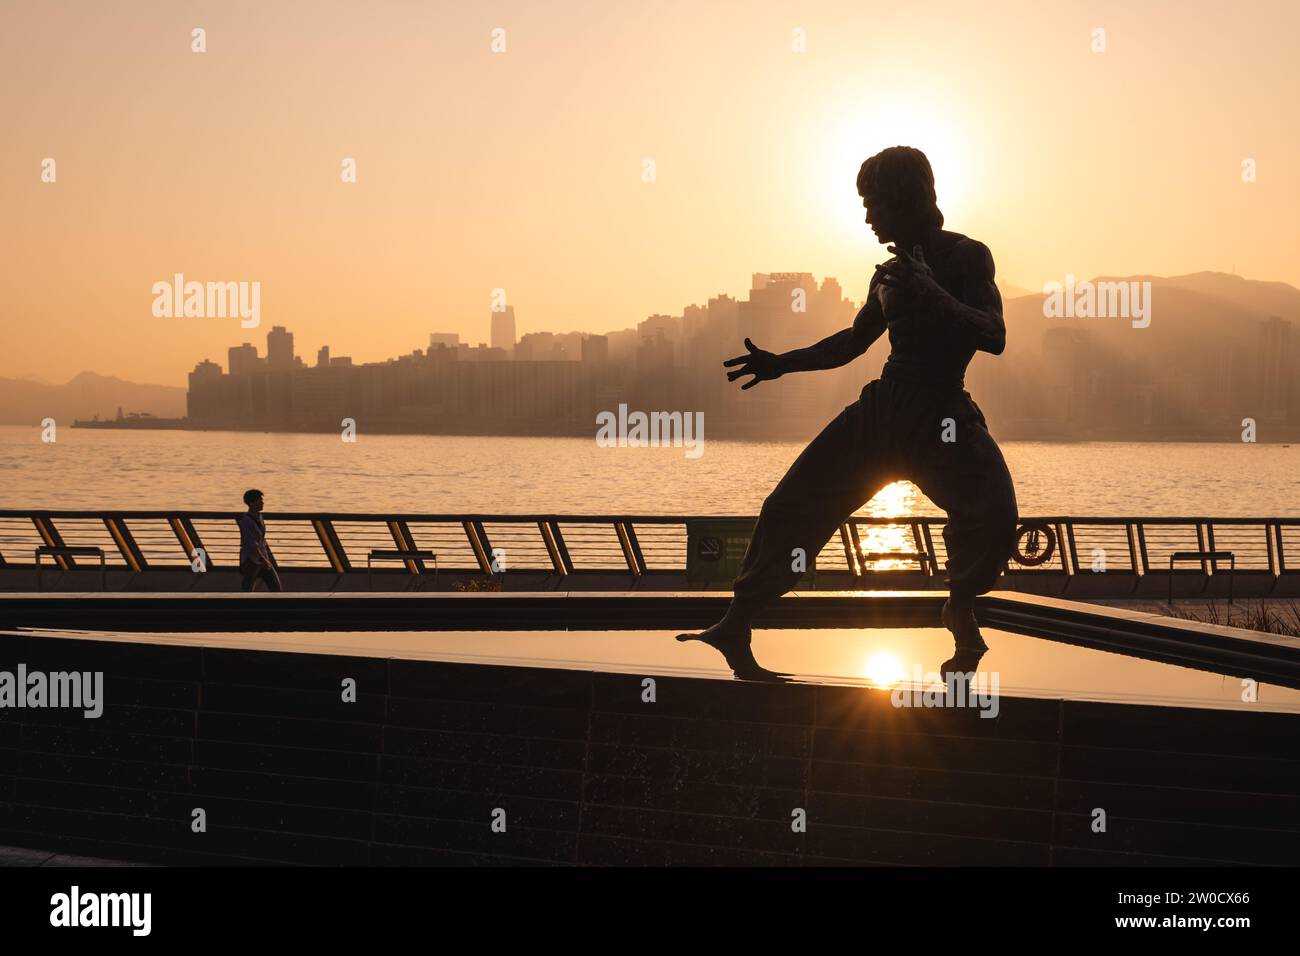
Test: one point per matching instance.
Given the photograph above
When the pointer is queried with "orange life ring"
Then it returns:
(1031, 553)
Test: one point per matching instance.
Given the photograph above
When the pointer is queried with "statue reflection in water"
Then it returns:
(737, 651)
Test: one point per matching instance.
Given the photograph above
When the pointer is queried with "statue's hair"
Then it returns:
(904, 172)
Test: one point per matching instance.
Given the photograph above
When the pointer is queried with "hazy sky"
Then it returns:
(523, 170)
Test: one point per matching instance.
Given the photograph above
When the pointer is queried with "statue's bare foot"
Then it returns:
(960, 620)
(733, 640)
(727, 633)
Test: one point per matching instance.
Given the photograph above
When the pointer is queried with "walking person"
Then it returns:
(256, 563)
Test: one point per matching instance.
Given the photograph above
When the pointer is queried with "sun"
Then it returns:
(852, 136)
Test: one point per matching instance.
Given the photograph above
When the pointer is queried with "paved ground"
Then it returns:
(19, 856)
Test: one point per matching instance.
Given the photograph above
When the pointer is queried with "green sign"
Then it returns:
(715, 550)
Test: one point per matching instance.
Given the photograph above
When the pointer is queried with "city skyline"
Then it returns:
(484, 336)
(1222, 351)
(1220, 348)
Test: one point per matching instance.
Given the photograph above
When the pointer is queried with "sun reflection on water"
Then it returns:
(898, 499)
(884, 669)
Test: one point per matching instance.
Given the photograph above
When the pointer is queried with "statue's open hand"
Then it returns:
(761, 364)
(909, 272)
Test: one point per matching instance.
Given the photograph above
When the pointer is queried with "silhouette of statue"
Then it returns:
(256, 563)
(937, 299)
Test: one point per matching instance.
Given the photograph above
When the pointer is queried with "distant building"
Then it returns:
(450, 339)
(669, 325)
(1069, 358)
(503, 329)
(243, 359)
(205, 371)
(537, 347)
(569, 346)
(622, 345)
(655, 353)
(1274, 366)
(279, 348)
(595, 348)
(323, 357)
(483, 353)
(785, 312)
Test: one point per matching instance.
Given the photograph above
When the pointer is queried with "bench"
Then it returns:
(390, 554)
(83, 551)
(1228, 556)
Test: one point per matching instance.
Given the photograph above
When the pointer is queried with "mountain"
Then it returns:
(1191, 315)
(1271, 298)
(24, 402)
(1013, 291)
(1212, 355)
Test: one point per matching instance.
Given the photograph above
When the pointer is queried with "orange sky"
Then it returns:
(523, 170)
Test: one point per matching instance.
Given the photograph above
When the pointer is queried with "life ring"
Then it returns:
(1030, 551)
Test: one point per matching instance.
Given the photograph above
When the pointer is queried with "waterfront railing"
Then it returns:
(637, 545)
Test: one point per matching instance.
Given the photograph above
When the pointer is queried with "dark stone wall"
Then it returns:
(588, 773)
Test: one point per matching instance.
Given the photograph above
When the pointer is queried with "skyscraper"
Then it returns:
(1272, 365)
(595, 348)
(242, 358)
(503, 330)
(279, 348)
